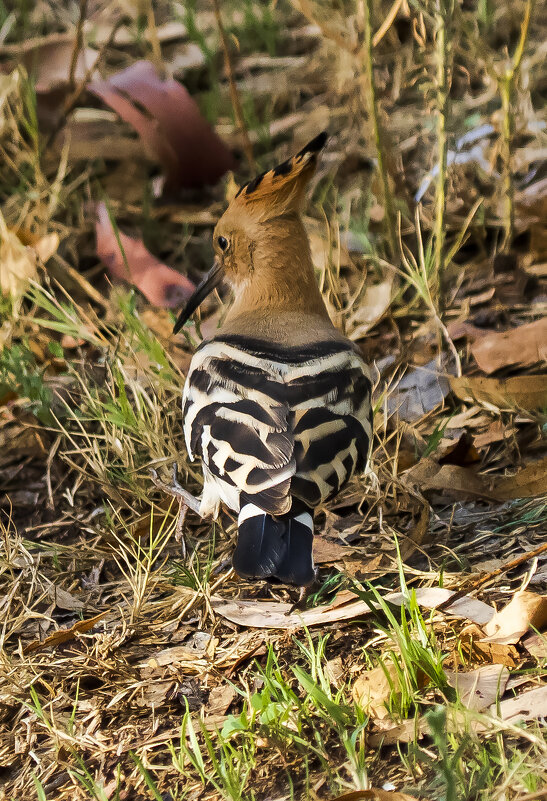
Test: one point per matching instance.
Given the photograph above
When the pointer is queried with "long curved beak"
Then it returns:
(204, 288)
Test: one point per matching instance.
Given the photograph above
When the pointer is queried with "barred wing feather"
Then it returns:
(272, 422)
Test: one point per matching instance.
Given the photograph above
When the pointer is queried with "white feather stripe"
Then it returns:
(249, 510)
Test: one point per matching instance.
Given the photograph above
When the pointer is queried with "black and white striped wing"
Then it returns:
(332, 425)
(236, 419)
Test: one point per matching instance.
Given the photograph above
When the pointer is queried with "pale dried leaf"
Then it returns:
(345, 606)
(418, 392)
(64, 635)
(528, 706)
(525, 610)
(373, 688)
(17, 263)
(371, 309)
(479, 688)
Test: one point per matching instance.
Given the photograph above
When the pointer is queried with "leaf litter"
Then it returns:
(460, 460)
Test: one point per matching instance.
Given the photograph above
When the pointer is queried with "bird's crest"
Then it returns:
(281, 189)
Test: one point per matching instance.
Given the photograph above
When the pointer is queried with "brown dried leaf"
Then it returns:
(220, 699)
(373, 688)
(479, 688)
(160, 284)
(524, 392)
(528, 483)
(471, 640)
(525, 610)
(64, 635)
(326, 551)
(172, 129)
(525, 345)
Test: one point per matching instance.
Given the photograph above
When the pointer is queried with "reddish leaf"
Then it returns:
(171, 125)
(160, 284)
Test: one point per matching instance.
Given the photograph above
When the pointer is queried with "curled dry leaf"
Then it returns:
(169, 123)
(64, 635)
(527, 706)
(160, 284)
(524, 611)
(523, 391)
(479, 688)
(525, 345)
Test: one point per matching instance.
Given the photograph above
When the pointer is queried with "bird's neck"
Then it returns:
(281, 279)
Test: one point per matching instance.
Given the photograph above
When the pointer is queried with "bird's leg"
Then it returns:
(303, 595)
(186, 501)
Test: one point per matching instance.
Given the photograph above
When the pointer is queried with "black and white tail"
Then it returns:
(274, 547)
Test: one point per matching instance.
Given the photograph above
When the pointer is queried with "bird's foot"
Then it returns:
(303, 594)
(186, 501)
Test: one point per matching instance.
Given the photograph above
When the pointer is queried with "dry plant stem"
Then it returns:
(78, 43)
(506, 83)
(234, 95)
(442, 17)
(372, 103)
(154, 39)
(72, 101)
(525, 557)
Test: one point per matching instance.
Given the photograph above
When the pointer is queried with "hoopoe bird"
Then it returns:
(277, 404)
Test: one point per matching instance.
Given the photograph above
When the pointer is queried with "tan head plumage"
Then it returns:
(261, 246)
(281, 189)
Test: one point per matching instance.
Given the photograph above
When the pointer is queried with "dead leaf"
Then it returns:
(374, 795)
(47, 60)
(523, 392)
(528, 483)
(524, 611)
(220, 699)
(525, 345)
(479, 688)
(371, 309)
(345, 606)
(17, 263)
(160, 284)
(463, 482)
(536, 645)
(496, 432)
(64, 599)
(64, 635)
(172, 129)
(326, 551)
(476, 650)
(528, 706)
(418, 392)
(373, 689)
(418, 534)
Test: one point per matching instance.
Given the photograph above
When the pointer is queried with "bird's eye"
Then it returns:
(222, 243)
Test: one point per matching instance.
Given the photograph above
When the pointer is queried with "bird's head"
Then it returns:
(264, 213)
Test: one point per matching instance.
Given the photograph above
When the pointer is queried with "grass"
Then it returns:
(164, 698)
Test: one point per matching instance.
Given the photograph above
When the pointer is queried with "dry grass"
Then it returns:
(162, 697)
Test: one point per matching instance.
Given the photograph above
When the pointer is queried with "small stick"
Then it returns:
(78, 43)
(485, 579)
(238, 111)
